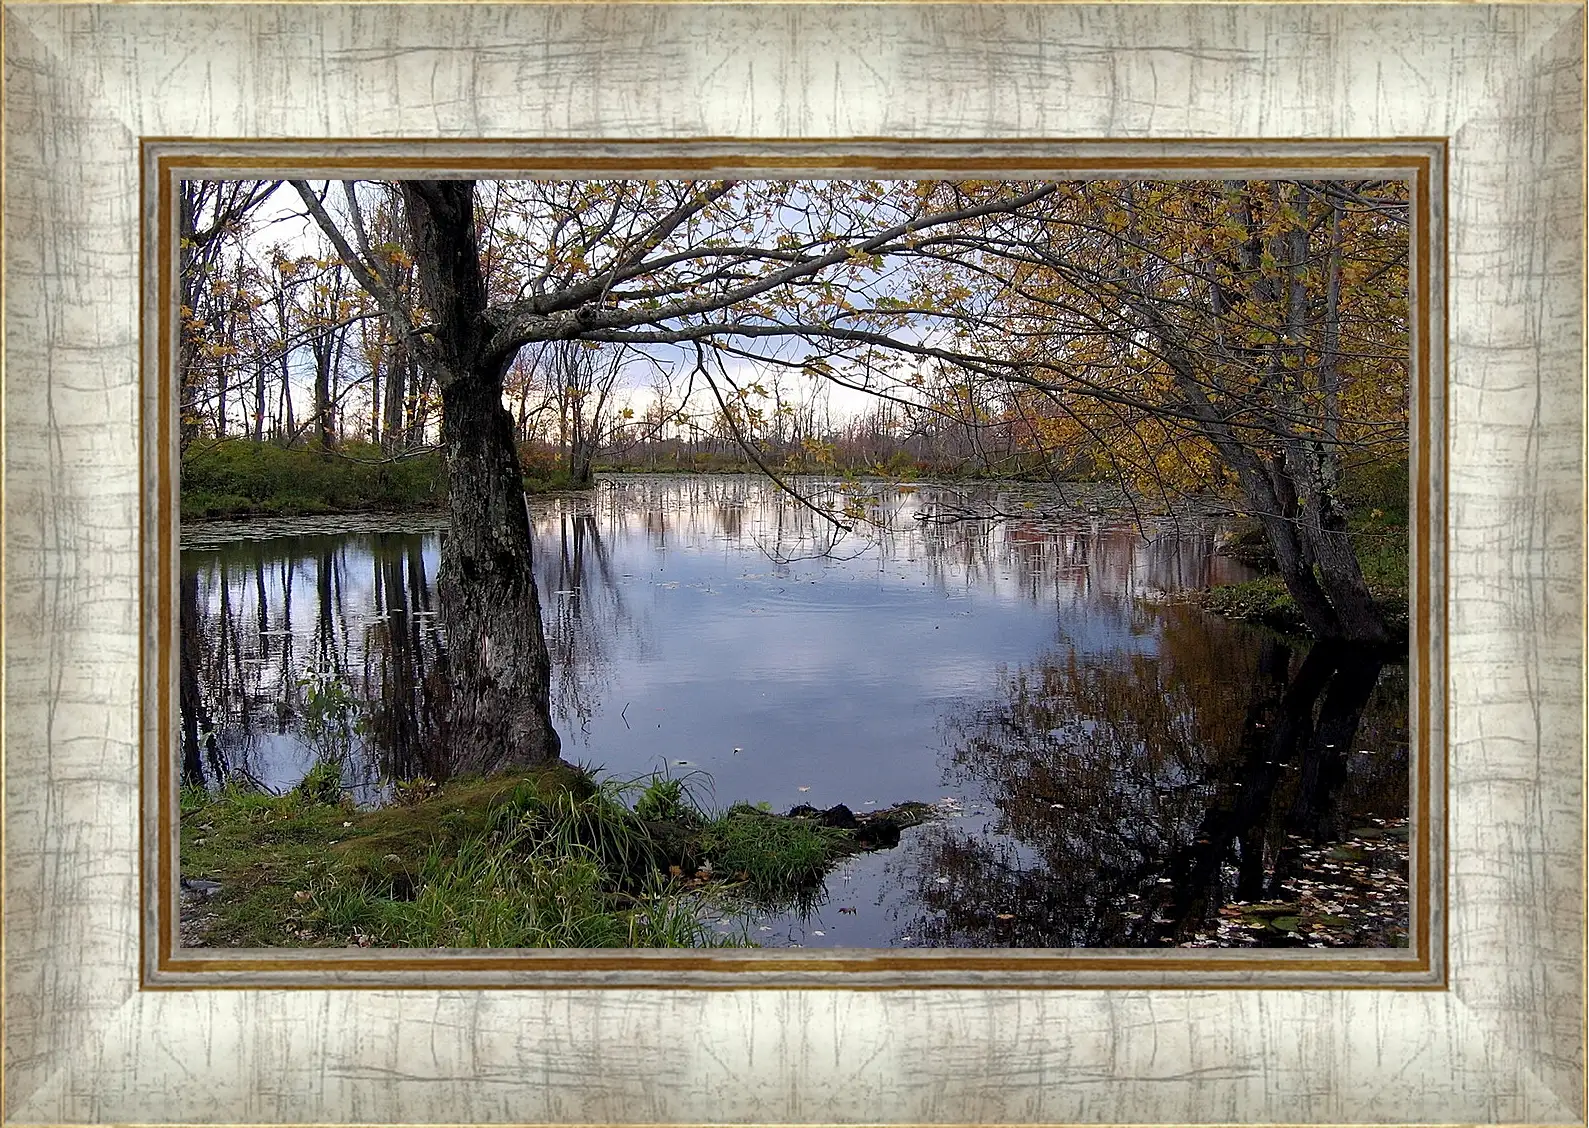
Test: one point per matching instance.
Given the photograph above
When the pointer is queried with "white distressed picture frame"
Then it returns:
(1501, 1041)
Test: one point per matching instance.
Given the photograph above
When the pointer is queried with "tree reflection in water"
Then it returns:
(247, 608)
(1135, 766)
(404, 675)
(1131, 806)
(584, 611)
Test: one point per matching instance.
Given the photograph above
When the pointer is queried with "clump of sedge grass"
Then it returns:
(545, 858)
(775, 859)
(497, 894)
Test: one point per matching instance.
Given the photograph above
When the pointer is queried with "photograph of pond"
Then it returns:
(793, 563)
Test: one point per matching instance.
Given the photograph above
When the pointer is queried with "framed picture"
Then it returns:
(1274, 804)
(462, 816)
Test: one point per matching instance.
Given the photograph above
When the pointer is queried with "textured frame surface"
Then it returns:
(1420, 965)
(1504, 1041)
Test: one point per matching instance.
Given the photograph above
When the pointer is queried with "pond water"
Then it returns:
(1110, 764)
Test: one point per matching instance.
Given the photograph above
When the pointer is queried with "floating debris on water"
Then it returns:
(1347, 894)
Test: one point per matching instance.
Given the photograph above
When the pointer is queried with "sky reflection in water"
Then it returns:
(1040, 675)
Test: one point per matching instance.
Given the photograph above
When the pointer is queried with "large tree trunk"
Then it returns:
(499, 671)
(1312, 549)
(1333, 599)
(1322, 526)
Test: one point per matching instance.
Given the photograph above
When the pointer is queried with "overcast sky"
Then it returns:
(283, 221)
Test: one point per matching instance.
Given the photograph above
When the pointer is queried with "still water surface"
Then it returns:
(1086, 732)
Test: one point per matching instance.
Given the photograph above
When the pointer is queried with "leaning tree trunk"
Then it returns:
(1323, 528)
(1291, 493)
(499, 671)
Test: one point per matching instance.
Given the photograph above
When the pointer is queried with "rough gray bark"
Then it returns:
(499, 671)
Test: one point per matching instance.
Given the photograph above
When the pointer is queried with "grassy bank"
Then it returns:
(543, 858)
(239, 478)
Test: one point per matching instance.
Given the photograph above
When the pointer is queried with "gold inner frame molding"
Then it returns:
(166, 965)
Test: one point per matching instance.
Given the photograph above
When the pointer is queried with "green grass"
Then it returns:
(545, 858)
(773, 859)
(241, 478)
(550, 858)
(505, 889)
(237, 477)
(264, 850)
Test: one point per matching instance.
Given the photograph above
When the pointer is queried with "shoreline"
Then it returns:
(497, 860)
